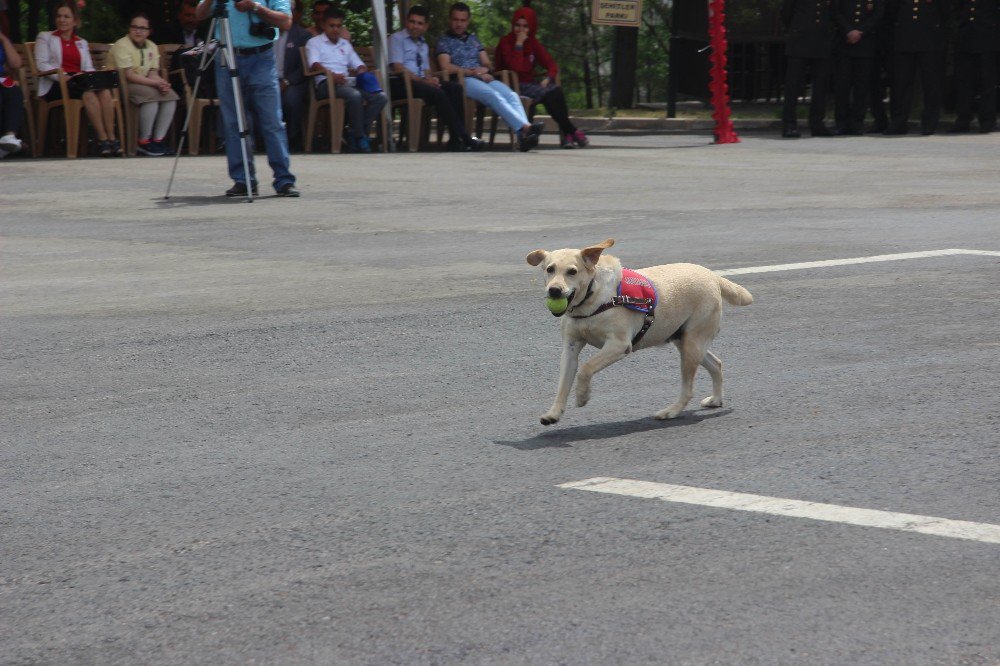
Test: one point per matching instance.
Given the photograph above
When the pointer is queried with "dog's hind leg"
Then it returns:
(692, 352)
(567, 371)
(713, 364)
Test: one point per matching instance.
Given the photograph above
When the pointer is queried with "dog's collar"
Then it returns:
(590, 292)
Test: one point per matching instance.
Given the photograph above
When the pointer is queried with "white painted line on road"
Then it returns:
(856, 260)
(907, 522)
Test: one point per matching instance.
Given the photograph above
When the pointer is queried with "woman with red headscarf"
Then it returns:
(520, 51)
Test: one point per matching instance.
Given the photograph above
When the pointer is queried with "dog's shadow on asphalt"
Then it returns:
(565, 437)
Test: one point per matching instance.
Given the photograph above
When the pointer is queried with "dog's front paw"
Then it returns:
(582, 392)
(549, 418)
(671, 412)
(711, 401)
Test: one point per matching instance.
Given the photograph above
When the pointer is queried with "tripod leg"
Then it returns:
(229, 62)
(203, 63)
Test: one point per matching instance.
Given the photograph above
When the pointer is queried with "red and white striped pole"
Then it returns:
(717, 84)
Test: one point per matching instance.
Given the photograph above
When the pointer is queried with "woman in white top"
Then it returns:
(63, 48)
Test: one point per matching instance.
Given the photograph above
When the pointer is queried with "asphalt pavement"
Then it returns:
(305, 431)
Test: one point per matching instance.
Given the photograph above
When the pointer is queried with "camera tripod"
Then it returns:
(225, 50)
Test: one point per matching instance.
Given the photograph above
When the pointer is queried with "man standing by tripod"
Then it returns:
(253, 27)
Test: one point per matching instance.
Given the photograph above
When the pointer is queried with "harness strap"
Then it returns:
(627, 300)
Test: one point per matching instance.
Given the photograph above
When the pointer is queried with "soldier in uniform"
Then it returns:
(881, 80)
(808, 45)
(919, 42)
(857, 22)
(976, 62)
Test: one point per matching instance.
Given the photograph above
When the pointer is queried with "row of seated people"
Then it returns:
(54, 68)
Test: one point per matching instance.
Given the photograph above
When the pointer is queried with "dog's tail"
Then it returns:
(734, 293)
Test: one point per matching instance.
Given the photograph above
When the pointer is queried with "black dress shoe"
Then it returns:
(895, 131)
(820, 130)
(456, 145)
(986, 129)
(790, 132)
(928, 131)
(537, 127)
(877, 128)
(475, 144)
(240, 190)
(288, 190)
(959, 128)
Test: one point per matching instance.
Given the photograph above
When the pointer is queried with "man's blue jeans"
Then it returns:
(362, 107)
(262, 101)
(500, 98)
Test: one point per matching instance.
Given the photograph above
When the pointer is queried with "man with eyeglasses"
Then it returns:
(251, 24)
(138, 56)
(408, 52)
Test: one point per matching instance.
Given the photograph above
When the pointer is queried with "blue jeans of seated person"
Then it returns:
(262, 102)
(362, 108)
(500, 98)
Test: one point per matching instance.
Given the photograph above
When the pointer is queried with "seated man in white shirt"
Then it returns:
(328, 52)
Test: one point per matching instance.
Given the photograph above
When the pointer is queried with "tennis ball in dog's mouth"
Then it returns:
(557, 305)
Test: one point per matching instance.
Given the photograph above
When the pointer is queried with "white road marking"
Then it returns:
(856, 260)
(907, 522)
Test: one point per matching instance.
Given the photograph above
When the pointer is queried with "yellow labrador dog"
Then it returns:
(687, 312)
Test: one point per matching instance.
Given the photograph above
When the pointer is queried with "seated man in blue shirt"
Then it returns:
(460, 51)
(408, 50)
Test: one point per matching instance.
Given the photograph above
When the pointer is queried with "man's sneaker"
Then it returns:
(581, 139)
(106, 148)
(526, 142)
(362, 145)
(116, 148)
(537, 127)
(151, 148)
(475, 144)
(567, 141)
(240, 190)
(288, 190)
(10, 143)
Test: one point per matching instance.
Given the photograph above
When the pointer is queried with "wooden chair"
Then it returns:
(333, 106)
(167, 52)
(132, 110)
(71, 109)
(195, 106)
(28, 91)
(412, 122)
(99, 55)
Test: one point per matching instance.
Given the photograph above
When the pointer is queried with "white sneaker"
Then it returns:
(10, 143)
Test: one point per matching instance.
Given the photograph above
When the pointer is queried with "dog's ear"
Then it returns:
(537, 257)
(593, 253)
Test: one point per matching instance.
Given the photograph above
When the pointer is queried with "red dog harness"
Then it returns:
(636, 292)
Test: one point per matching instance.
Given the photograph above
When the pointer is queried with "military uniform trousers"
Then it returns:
(976, 71)
(815, 71)
(853, 88)
(906, 66)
